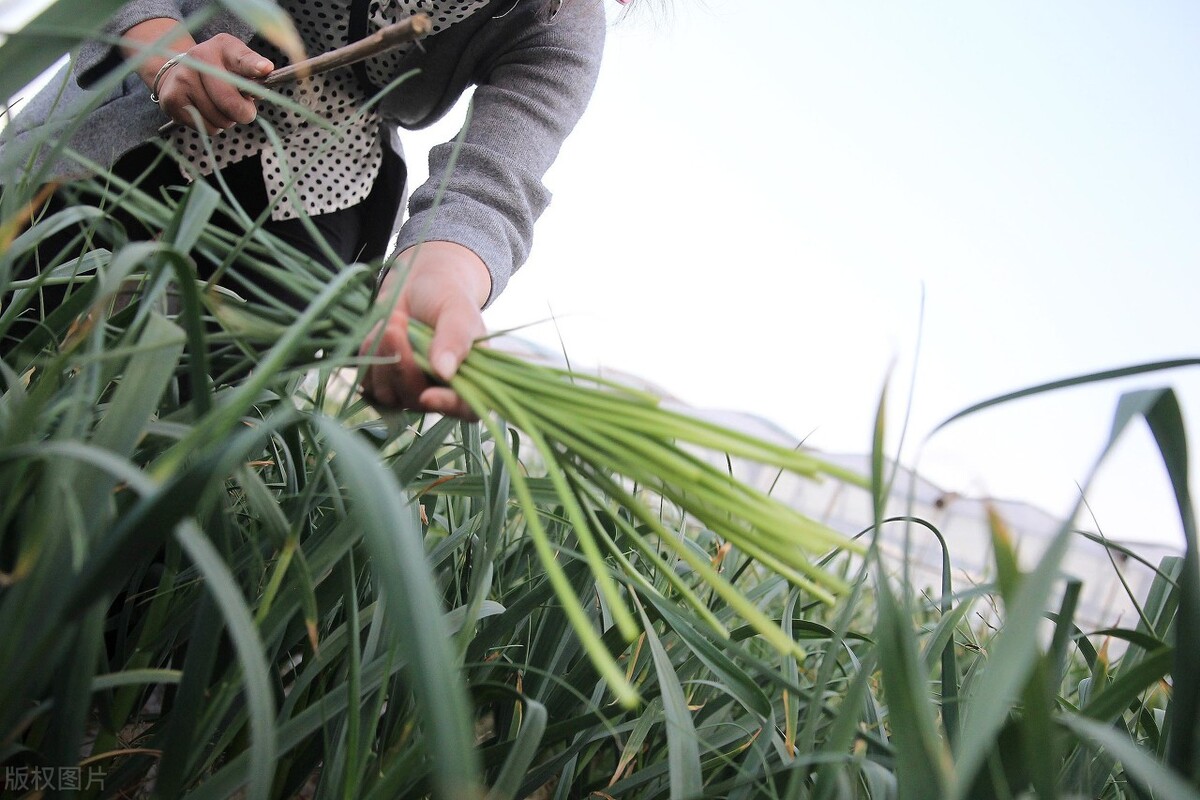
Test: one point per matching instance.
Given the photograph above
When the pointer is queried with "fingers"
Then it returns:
(183, 97)
(445, 287)
(445, 402)
(237, 59)
(218, 102)
(456, 332)
(400, 382)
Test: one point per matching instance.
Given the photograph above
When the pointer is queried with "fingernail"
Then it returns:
(263, 66)
(445, 365)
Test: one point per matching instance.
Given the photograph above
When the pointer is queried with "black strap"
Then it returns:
(358, 31)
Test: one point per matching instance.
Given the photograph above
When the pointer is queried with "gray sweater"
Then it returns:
(534, 77)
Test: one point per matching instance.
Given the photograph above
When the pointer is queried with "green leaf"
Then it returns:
(1138, 763)
(922, 762)
(1008, 573)
(392, 533)
(652, 714)
(134, 404)
(1162, 413)
(1125, 689)
(1066, 383)
(525, 747)
(420, 454)
(683, 747)
(256, 679)
(736, 681)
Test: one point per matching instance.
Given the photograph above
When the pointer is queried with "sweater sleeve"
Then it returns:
(98, 56)
(488, 194)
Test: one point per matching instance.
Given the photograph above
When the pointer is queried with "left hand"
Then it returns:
(446, 286)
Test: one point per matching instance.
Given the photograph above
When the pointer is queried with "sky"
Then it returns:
(766, 202)
(779, 207)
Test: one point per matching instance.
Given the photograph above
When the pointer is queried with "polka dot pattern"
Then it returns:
(332, 164)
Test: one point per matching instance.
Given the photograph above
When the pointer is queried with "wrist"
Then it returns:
(162, 73)
(448, 261)
(152, 43)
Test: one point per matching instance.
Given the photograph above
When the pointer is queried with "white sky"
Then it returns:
(752, 205)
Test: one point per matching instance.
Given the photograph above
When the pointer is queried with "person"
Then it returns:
(533, 64)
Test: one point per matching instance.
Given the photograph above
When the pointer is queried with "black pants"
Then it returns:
(358, 233)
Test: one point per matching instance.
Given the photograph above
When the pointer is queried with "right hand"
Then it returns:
(183, 87)
(445, 288)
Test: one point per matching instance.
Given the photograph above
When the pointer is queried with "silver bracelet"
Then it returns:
(163, 70)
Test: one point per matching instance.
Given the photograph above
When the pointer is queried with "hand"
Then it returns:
(446, 286)
(184, 88)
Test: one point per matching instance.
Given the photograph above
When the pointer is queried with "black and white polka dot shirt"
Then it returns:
(314, 169)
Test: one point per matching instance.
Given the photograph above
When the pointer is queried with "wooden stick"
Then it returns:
(383, 40)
